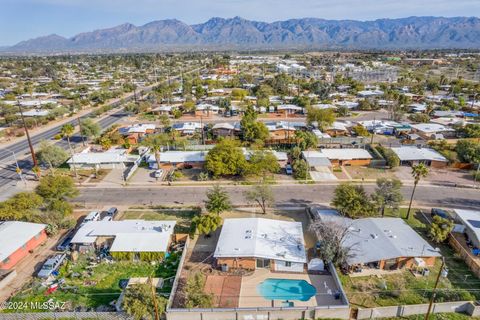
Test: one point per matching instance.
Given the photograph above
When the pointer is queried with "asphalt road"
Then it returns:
(8, 173)
(292, 195)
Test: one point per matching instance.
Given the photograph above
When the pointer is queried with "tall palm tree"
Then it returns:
(67, 131)
(155, 142)
(418, 172)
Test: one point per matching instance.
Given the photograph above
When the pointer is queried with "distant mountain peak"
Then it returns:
(239, 33)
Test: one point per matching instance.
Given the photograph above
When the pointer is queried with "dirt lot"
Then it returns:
(446, 175)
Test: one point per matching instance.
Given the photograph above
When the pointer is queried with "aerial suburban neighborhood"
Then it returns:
(237, 184)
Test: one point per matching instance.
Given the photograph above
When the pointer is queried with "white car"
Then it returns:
(158, 173)
(51, 265)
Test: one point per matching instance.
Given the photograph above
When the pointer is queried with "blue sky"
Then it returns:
(25, 19)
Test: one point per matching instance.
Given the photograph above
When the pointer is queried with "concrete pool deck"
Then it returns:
(325, 285)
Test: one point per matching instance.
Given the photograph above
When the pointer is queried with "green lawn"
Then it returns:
(405, 288)
(96, 287)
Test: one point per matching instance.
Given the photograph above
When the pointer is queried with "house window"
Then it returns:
(288, 264)
(6, 260)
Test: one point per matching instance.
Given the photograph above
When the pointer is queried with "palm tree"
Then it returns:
(155, 143)
(418, 172)
(67, 131)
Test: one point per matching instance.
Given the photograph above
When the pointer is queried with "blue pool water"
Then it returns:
(286, 289)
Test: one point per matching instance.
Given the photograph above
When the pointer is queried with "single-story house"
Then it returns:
(280, 130)
(432, 131)
(412, 155)
(253, 243)
(223, 129)
(206, 109)
(18, 240)
(338, 129)
(380, 243)
(380, 126)
(348, 156)
(163, 109)
(417, 107)
(370, 93)
(36, 113)
(111, 159)
(135, 132)
(471, 220)
(347, 104)
(170, 159)
(187, 128)
(387, 244)
(289, 109)
(125, 236)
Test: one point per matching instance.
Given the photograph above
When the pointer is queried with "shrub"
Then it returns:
(392, 159)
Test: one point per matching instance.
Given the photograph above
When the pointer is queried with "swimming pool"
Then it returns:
(286, 289)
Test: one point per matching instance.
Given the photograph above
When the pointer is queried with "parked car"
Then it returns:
(158, 173)
(441, 213)
(51, 265)
(92, 216)
(288, 169)
(65, 243)
(112, 212)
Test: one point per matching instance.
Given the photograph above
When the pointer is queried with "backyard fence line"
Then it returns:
(90, 315)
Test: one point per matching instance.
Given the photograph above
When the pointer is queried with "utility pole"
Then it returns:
(154, 298)
(80, 127)
(30, 145)
(434, 292)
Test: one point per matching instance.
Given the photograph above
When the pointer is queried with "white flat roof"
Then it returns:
(430, 127)
(15, 234)
(346, 154)
(261, 238)
(130, 235)
(101, 157)
(179, 156)
(413, 153)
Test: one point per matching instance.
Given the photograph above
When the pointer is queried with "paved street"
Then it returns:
(284, 195)
(7, 172)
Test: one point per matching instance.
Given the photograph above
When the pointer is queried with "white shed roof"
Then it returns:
(262, 238)
(130, 235)
(346, 154)
(471, 220)
(15, 234)
(413, 153)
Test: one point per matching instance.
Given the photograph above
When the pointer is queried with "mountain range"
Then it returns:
(241, 34)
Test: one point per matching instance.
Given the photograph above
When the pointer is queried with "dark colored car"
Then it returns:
(112, 212)
(440, 213)
(65, 243)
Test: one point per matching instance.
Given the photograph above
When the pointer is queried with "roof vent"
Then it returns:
(374, 235)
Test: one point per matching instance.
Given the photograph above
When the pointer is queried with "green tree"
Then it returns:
(67, 131)
(207, 223)
(57, 188)
(251, 128)
(300, 169)
(388, 194)
(139, 302)
(352, 201)
(218, 200)
(360, 131)
(322, 117)
(22, 206)
(156, 142)
(51, 155)
(468, 151)
(90, 129)
(261, 194)
(439, 229)
(226, 159)
(471, 130)
(418, 172)
(262, 163)
(305, 139)
(195, 296)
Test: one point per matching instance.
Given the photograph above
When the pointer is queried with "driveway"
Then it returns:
(322, 174)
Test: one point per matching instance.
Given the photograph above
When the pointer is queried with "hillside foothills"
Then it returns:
(239, 33)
